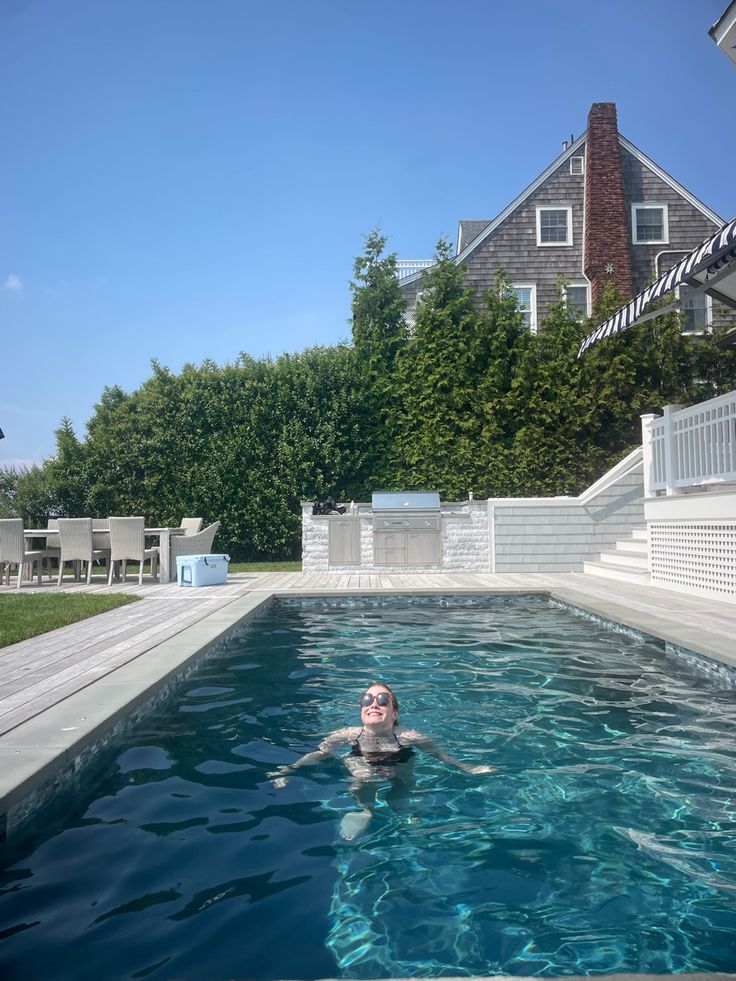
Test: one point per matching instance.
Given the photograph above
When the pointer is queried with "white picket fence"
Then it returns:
(690, 447)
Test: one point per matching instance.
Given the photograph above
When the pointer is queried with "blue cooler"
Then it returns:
(201, 570)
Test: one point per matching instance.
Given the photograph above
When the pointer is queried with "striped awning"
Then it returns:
(711, 268)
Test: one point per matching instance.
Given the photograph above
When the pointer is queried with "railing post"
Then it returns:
(670, 449)
(646, 450)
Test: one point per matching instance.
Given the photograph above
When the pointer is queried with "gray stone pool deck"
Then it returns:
(64, 693)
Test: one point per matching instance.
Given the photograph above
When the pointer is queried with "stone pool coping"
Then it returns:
(40, 754)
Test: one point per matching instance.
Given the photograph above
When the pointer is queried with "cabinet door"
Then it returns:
(389, 556)
(423, 548)
(344, 541)
(389, 539)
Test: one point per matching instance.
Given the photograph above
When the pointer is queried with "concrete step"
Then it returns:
(639, 535)
(633, 545)
(624, 573)
(628, 557)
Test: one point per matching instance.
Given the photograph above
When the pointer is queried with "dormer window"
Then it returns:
(554, 225)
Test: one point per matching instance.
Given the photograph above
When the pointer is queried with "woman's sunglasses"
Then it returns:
(381, 698)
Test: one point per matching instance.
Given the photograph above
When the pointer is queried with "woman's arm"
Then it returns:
(413, 738)
(328, 747)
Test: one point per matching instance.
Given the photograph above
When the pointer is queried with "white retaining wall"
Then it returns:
(558, 534)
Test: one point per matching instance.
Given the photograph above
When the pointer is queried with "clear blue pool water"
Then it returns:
(605, 842)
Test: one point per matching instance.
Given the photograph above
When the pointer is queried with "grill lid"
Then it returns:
(406, 501)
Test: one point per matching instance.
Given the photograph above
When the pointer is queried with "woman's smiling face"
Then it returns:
(375, 715)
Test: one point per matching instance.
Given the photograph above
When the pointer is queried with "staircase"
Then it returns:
(629, 562)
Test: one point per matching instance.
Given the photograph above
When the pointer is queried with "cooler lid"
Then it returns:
(406, 501)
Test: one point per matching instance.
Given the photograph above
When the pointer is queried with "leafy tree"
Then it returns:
(502, 340)
(380, 335)
(8, 484)
(438, 424)
(67, 473)
(34, 499)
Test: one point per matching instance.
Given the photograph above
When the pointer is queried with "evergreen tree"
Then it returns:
(502, 340)
(438, 426)
(67, 473)
(379, 337)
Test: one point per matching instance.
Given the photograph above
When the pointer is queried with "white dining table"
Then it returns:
(165, 572)
(164, 535)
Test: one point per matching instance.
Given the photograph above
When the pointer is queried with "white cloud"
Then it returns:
(14, 283)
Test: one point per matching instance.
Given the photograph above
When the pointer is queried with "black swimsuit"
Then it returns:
(386, 755)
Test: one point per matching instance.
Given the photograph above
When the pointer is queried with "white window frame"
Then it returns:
(580, 161)
(579, 284)
(532, 303)
(554, 207)
(665, 223)
(708, 329)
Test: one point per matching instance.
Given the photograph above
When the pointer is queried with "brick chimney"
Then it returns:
(606, 253)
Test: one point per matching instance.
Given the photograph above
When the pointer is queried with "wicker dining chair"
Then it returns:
(77, 545)
(192, 525)
(128, 542)
(13, 551)
(199, 544)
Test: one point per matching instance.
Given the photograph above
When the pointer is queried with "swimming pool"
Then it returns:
(605, 842)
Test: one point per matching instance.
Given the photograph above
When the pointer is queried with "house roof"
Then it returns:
(723, 31)
(572, 151)
(468, 231)
(710, 268)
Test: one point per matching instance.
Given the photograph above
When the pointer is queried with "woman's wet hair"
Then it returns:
(394, 699)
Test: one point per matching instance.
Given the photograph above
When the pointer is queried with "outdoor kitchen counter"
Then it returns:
(359, 541)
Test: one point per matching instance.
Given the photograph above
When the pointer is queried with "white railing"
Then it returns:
(407, 267)
(692, 447)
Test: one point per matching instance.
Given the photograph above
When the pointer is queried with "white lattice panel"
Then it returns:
(698, 557)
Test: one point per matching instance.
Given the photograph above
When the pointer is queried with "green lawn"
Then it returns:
(27, 615)
(265, 566)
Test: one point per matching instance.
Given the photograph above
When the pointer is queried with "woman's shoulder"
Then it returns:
(411, 737)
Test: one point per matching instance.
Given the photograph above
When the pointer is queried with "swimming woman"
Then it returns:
(376, 748)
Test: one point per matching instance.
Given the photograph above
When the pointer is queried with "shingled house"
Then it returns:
(601, 211)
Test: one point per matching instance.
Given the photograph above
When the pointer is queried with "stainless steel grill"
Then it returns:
(406, 528)
(406, 501)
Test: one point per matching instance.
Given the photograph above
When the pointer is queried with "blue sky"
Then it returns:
(183, 179)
